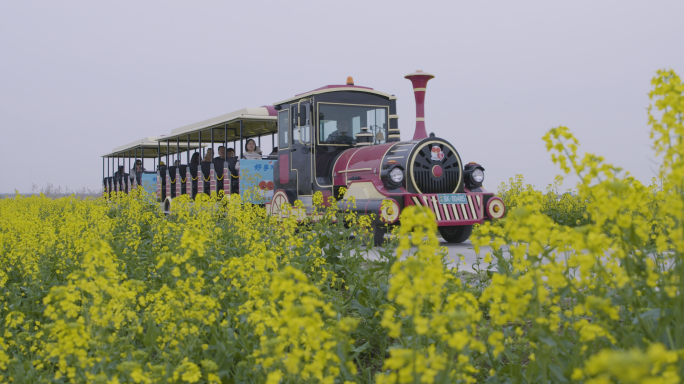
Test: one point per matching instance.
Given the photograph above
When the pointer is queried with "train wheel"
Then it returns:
(379, 232)
(280, 200)
(456, 234)
(376, 234)
(167, 205)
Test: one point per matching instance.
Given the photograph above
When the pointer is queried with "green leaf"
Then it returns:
(361, 348)
(151, 333)
(558, 371)
(548, 341)
(361, 309)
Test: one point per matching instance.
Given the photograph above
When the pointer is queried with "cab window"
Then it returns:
(284, 129)
(293, 119)
(339, 124)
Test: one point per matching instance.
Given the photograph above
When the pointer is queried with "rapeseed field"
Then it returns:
(582, 287)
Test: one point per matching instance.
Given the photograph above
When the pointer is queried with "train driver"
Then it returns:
(341, 134)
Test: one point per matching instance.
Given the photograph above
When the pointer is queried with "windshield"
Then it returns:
(339, 124)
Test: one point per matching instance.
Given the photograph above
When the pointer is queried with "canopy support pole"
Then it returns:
(177, 150)
(167, 153)
(188, 153)
(158, 154)
(212, 145)
(241, 146)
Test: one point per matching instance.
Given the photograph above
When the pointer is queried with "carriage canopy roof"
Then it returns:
(147, 148)
(255, 122)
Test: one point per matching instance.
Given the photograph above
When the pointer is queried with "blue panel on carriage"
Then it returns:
(149, 182)
(256, 180)
(452, 198)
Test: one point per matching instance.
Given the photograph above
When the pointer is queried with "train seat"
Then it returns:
(173, 180)
(195, 179)
(162, 176)
(218, 169)
(234, 176)
(206, 167)
(182, 171)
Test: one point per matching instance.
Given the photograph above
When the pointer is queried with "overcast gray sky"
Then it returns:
(80, 78)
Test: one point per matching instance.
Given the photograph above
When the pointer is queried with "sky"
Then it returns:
(78, 78)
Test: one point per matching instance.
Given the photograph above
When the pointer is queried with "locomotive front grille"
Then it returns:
(436, 168)
(445, 212)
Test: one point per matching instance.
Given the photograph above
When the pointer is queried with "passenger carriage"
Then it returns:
(333, 139)
(229, 130)
(148, 151)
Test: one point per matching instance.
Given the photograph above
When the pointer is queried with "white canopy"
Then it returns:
(147, 147)
(256, 121)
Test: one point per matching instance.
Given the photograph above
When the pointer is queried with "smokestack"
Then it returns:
(419, 80)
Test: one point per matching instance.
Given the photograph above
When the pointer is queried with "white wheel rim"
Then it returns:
(277, 203)
(490, 209)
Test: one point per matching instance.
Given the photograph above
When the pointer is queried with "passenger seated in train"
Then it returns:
(121, 178)
(230, 152)
(221, 153)
(120, 174)
(208, 156)
(252, 151)
(341, 134)
(137, 171)
(176, 163)
(195, 159)
(273, 155)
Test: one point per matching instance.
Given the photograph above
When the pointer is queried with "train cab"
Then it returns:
(346, 138)
(317, 127)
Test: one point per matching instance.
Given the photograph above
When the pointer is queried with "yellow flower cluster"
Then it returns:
(431, 316)
(592, 299)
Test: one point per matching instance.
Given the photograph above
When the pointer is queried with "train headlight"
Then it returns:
(396, 175)
(474, 175)
(478, 175)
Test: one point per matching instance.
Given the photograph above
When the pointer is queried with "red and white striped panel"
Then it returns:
(168, 184)
(200, 181)
(212, 180)
(446, 213)
(159, 192)
(188, 181)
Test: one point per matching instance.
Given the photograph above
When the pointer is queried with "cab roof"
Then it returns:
(335, 88)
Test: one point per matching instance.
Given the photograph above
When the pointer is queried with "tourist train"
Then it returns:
(340, 140)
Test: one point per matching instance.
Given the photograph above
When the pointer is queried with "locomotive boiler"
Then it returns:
(347, 136)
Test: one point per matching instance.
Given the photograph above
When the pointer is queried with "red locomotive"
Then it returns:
(347, 136)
